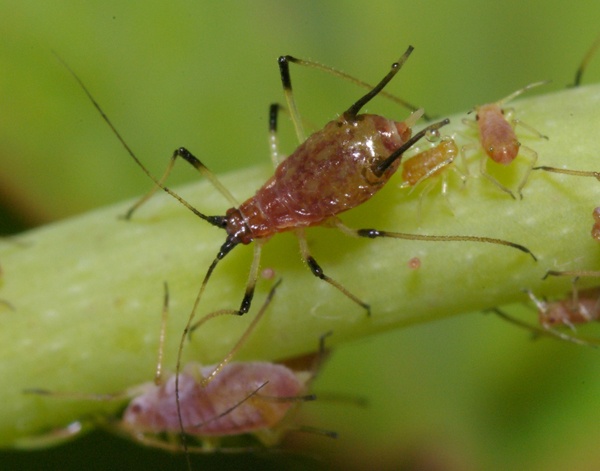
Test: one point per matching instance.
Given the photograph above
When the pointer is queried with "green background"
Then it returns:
(463, 393)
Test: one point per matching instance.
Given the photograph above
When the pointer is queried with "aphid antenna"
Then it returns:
(351, 113)
(380, 169)
(520, 91)
(584, 63)
(218, 221)
(354, 80)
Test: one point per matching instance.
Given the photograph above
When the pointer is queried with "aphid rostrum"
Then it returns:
(497, 137)
(243, 398)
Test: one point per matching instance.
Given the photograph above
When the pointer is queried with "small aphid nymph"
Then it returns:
(578, 307)
(498, 139)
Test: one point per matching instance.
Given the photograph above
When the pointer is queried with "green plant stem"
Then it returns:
(87, 292)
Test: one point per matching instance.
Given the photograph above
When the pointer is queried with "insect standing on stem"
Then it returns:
(431, 163)
(578, 307)
(243, 398)
(498, 139)
(335, 169)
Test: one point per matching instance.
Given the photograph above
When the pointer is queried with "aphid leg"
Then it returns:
(520, 91)
(484, 172)
(316, 270)
(207, 379)
(345, 76)
(566, 171)
(276, 157)
(532, 156)
(158, 378)
(374, 233)
(194, 162)
(182, 152)
(584, 63)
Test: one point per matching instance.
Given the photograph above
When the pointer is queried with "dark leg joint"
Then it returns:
(370, 233)
(188, 157)
(284, 70)
(246, 302)
(273, 112)
(315, 268)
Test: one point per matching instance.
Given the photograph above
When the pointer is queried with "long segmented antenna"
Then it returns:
(214, 220)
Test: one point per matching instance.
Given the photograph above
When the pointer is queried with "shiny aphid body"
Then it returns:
(429, 163)
(498, 139)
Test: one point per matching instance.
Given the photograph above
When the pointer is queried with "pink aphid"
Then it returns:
(580, 307)
(498, 139)
(241, 398)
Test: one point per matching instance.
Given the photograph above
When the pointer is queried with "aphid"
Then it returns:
(242, 398)
(498, 139)
(430, 163)
(579, 307)
(584, 63)
(334, 170)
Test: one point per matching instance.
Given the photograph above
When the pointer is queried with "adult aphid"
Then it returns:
(498, 139)
(243, 398)
(334, 170)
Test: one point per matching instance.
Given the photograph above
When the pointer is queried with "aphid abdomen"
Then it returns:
(498, 137)
(233, 386)
(331, 172)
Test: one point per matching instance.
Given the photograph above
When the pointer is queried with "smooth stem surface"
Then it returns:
(87, 292)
